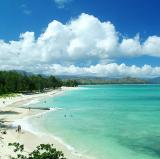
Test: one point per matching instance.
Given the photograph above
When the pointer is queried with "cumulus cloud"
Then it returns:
(131, 47)
(82, 45)
(151, 46)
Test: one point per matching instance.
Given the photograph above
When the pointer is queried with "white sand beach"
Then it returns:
(10, 112)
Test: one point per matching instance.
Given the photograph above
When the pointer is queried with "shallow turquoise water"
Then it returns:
(107, 121)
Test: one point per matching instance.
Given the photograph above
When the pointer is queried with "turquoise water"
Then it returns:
(108, 121)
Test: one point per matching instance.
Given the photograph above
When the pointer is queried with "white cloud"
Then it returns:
(25, 9)
(84, 41)
(101, 70)
(110, 70)
(131, 47)
(61, 3)
(151, 46)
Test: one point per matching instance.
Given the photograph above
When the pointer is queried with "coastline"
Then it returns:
(12, 112)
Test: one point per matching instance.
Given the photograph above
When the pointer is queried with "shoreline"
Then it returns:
(12, 113)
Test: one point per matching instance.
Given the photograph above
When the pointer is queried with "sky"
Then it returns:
(112, 38)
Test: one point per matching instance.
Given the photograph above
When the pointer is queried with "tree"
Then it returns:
(70, 83)
(43, 151)
(16, 82)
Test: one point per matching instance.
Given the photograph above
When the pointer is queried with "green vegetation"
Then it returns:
(70, 83)
(98, 80)
(43, 151)
(9, 95)
(15, 82)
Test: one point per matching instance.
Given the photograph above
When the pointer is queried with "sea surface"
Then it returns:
(106, 121)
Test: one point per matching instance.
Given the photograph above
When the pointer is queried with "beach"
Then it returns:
(12, 109)
(87, 122)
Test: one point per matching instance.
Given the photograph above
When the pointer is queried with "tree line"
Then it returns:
(16, 82)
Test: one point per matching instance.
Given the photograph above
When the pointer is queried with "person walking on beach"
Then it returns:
(19, 129)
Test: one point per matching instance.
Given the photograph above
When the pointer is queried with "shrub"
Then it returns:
(43, 151)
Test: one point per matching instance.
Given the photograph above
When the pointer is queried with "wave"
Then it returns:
(28, 127)
(83, 88)
(32, 102)
(69, 147)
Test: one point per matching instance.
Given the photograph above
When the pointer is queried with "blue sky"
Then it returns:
(128, 16)
(135, 23)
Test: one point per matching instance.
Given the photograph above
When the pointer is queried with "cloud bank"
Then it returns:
(84, 45)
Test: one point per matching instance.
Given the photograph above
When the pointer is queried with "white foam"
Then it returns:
(83, 88)
(69, 147)
(32, 102)
(28, 127)
(25, 122)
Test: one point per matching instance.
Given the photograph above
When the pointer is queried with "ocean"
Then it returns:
(105, 121)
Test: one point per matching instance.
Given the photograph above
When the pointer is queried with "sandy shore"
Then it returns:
(10, 112)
